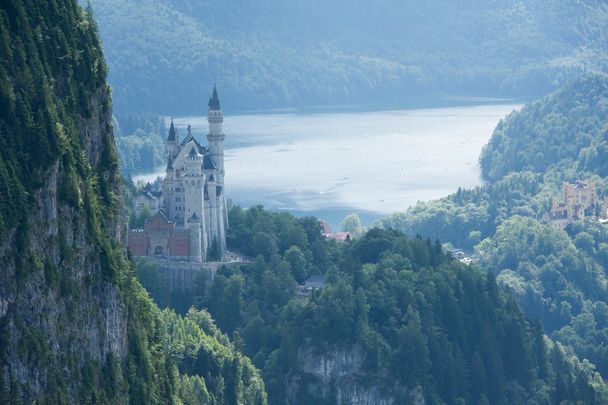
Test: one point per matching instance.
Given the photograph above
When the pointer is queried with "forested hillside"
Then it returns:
(396, 321)
(163, 55)
(140, 142)
(557, 276)
(565, 132)
(76, 327)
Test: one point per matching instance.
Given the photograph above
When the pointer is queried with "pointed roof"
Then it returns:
(194, 152)
(199, 147)
(214, 101)
(193, 218)
(208, 163)
(161, 216)
(172, 132)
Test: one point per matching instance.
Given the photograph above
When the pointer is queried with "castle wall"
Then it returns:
(138, 243)
(153, 204)
(158, 223)
(158, 243)
(222, 214)
(179, 244)
(193, 196)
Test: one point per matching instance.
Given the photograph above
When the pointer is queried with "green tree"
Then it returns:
(352, 224)
(143, 217)
(265, 245)
(296, 260)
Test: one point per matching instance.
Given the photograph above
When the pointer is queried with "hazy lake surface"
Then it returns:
(332, 163)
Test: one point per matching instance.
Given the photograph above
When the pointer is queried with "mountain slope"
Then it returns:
(396, 321)
(163, 54)
(75, 325)
(557, 132)
(557, 276)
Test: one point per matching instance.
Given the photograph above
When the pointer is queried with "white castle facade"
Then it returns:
(192, 223)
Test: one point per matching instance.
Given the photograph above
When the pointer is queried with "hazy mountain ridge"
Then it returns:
(163, 54)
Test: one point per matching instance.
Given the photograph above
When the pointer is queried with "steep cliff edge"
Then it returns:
(75, 326)
(340, 376)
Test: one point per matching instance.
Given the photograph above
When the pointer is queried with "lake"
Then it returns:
(329, 164)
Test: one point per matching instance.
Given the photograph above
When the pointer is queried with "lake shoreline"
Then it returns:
(374, 163)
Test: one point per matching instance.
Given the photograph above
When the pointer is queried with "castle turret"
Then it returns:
(216, 136)
(193, 180)
(172, 142)
(214, 230)
(170, 172)
(195, 235)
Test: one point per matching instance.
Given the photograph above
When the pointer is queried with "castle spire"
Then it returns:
(172, 132)
(214, 101)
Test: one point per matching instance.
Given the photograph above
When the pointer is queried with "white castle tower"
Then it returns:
(216, 213)
(196, 239)
(172, 144)
(193, 182)
(192, 223)
(216, 136)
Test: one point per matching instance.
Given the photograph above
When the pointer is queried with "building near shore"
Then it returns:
(579, 201)
(190, 216)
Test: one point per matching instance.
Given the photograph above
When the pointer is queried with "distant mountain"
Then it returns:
(163, 55)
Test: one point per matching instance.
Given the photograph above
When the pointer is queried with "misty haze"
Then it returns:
(295, 202)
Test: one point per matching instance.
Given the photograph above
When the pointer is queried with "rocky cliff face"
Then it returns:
(63, 314)
(60, 316)
(338, 376)
(75, 325)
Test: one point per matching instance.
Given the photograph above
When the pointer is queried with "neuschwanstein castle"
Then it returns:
(190, 216)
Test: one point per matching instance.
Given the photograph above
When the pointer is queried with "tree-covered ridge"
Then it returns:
(558, 277)
(177, 359)
(567, 128)
(51, 71)
(163, 54)
(468, 216)
(418, 323)
(75, 324)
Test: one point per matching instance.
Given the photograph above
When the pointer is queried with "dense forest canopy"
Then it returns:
(565, 130)
(416, 324)
(163, 54)
(557, 276)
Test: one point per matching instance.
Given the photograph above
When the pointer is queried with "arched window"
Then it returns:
(158, 251)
